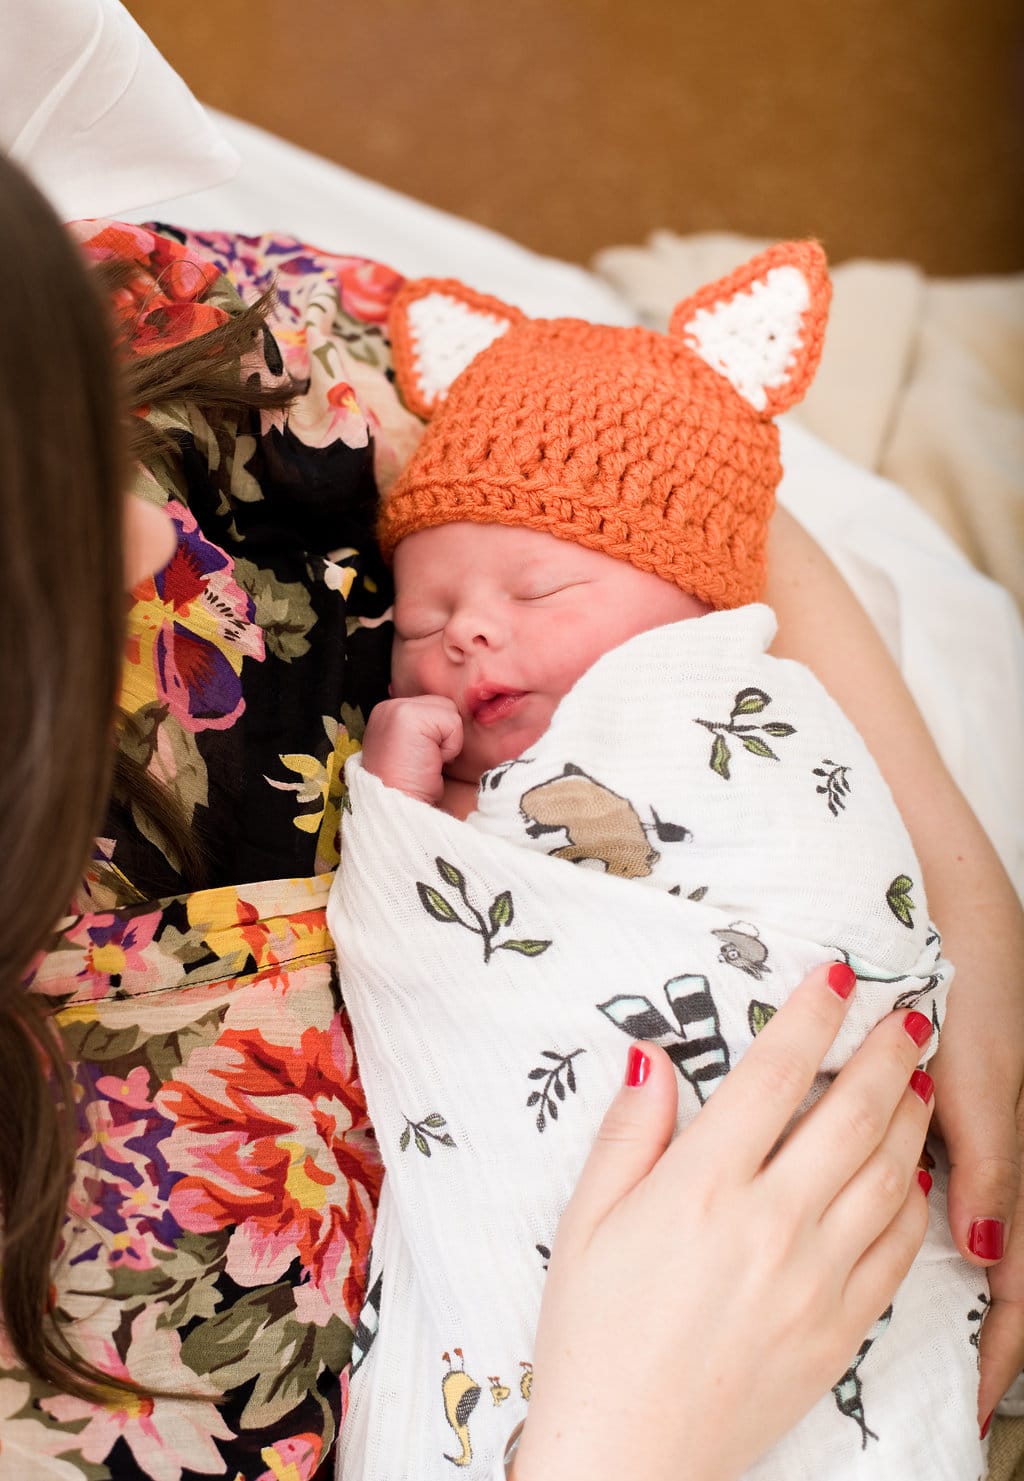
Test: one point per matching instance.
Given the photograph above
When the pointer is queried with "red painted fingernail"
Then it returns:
(841, 979)
(985, 1239)
(919, 1028)
(924, 1177)
(984, 1428)
(637, 1065)
(922, 1085)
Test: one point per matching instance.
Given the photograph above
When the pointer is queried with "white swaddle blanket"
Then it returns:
(496, 970)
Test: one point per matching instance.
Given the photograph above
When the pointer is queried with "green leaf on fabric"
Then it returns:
(435, 904)
(280, 1388)
(524, 948)
(720, 757)
(778, 727)
(758, 1014)
(750, 702)
(283, 609)
(237, 1344)
(897, 897)
(450, 874)
(757, 747)
(403, 1140)
(500, 913)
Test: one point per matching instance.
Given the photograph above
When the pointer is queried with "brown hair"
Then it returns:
(65, 449)
(63, 472)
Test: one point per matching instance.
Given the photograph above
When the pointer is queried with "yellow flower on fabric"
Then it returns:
(321, 783)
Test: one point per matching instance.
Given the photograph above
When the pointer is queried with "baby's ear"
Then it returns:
(763, 326)
(437, 326)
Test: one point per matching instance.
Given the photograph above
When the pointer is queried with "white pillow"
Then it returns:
(91, 109)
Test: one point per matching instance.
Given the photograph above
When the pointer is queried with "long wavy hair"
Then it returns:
(67, 443)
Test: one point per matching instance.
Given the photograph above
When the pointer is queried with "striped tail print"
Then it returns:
(694, 1043)
(703, 1055)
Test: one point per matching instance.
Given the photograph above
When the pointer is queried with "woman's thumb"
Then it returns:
(636, 1129)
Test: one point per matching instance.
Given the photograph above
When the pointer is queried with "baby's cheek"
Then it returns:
(404, 673)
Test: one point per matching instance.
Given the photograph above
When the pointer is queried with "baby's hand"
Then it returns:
(409, 741)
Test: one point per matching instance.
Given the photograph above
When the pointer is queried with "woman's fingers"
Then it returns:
(868, 1203)
(983, 1141)
(876, 1275)
(855, 1114)
(764, 1091)
(1001, 1351)
(636, 1129)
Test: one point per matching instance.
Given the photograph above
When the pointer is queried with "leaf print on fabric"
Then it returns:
(897, 897)
(282, 610)
(834, 786)
(977, 1317)
(500, 914)
(758, 1015)
(559, 1076)
(191, 629)
(173, 757)
(432, 1128)
(749, 701)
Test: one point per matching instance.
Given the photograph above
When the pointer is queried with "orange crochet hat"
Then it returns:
(658, 449)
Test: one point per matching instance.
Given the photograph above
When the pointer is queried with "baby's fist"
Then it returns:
(408, 742)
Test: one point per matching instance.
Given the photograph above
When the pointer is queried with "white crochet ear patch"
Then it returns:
(753, 338)
(437, 327)
(448, 335)
(762, 327)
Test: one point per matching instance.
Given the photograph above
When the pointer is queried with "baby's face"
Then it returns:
(504, 621)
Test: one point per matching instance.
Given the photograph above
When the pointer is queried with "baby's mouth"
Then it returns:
(488, 705)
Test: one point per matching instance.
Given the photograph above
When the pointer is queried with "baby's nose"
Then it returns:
(469, 630)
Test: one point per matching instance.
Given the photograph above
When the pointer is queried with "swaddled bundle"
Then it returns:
(496, 968)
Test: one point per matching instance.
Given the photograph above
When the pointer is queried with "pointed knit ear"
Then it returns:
(763, 326)
(437, 327)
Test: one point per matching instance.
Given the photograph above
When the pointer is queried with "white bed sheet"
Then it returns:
(957, 636)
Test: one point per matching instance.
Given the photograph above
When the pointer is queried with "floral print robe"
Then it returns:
(224, 1195)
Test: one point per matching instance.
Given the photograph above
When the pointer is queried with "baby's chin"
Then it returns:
(475, 760)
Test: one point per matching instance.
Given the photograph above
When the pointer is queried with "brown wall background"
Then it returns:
(889, 128)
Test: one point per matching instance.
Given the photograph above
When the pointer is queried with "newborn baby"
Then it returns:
(582, 702)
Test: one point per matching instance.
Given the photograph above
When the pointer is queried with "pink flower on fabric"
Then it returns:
(190, 629)
(270, 1140)
(166, 1436)
(367, 289)
(118, 952)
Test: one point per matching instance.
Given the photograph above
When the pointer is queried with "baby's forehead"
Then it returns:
(463, 549)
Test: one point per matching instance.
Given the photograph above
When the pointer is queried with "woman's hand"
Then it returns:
(703, 1295)
(978, 1073)
(979, 1067)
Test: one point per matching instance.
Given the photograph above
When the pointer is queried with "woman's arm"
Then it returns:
(979, 1068)
(703, 1295)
